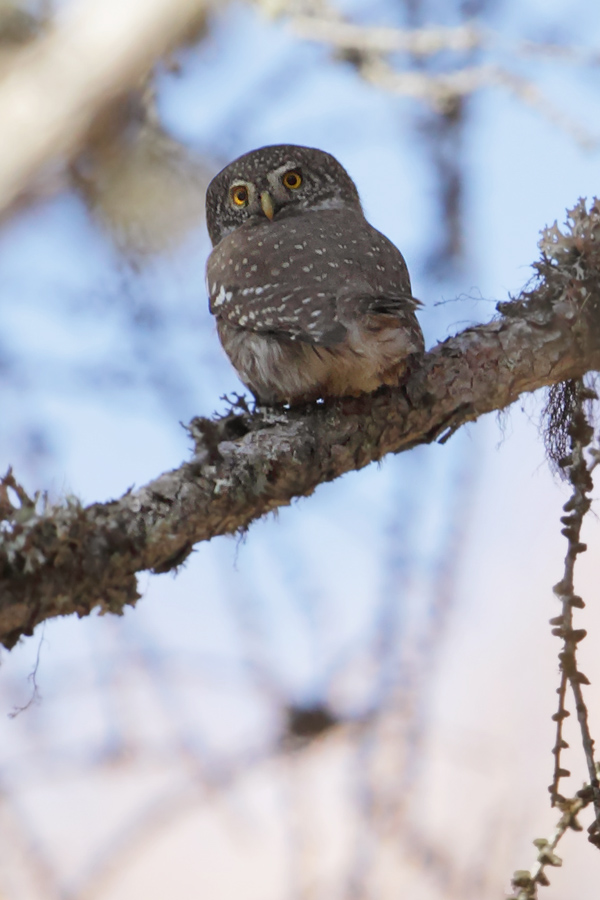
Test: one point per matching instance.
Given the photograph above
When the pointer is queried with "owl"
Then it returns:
(310, 300)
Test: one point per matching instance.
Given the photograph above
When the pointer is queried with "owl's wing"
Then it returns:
(307, 278)
(298, 313)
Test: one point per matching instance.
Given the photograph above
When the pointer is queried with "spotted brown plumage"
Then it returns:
(310, 300)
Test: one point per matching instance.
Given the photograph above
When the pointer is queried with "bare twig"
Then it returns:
(34, 696)
(369, 48)
(416, 41)
(524, 882)
(330, 28)
(441, 91)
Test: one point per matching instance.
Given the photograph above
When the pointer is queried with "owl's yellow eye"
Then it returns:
(239, 195)
(292, 180)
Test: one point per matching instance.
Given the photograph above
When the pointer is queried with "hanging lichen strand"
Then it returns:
(577, 465)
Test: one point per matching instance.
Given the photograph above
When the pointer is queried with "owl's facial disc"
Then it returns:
(254, 202)
(273, 183)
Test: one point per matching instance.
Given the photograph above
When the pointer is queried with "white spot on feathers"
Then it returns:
(222, 297)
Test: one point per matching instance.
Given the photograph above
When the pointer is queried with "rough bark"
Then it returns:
(69, 559)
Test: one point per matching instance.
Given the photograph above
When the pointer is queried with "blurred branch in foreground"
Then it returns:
(63, 559)
(144, 187)
(57, 84)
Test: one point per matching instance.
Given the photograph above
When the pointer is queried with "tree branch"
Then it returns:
(64, 559)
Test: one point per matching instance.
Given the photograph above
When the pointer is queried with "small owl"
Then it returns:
(310, 300)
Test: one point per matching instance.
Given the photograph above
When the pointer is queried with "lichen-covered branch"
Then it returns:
(67, 559)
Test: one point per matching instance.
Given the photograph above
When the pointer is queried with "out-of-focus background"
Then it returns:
(355, 699)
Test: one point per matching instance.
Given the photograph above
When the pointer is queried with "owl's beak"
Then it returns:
(267, 204)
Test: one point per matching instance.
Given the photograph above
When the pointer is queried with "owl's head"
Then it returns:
(276, 182)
